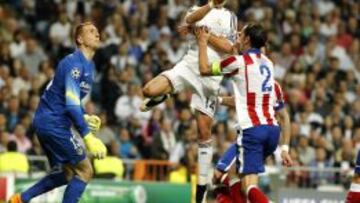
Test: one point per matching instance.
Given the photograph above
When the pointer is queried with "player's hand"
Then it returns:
(94, 122)
(183, 30)
(95, 146)
(286, 159)
(202, 34)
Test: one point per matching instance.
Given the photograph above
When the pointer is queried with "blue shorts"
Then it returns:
(60, 145)
(250, 151)
(357, 167)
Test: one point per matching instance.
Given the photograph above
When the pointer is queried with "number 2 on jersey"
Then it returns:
(264, 70)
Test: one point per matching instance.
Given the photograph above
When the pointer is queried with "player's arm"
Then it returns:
(282, 115)
(224, 44)
(72, 97)
(195, 15)
(226, 67)
(227, 101)
(221, 44)
(284, 120)
(75, 112)
(204, 68)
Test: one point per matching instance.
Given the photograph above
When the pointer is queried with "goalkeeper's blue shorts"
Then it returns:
(60, 145)
(252, 147)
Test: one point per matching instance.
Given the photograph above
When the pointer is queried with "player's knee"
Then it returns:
(147, 91)
(86, 174)
(69, 174)
(84, 170)
(248, 181)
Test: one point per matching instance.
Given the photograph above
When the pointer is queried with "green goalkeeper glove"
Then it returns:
(93, 122)
(95, 146)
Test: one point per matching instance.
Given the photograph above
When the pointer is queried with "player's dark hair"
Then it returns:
(79, 29)
(257, 35)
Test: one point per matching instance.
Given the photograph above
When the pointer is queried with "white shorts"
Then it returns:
(205, 89)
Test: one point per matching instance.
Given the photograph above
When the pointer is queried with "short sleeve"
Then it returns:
(233, 28)
(228, 66)
(279, 97)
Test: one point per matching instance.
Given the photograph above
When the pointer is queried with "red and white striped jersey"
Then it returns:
(256, 94)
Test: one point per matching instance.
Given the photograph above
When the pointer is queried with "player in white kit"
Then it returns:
(222, 24)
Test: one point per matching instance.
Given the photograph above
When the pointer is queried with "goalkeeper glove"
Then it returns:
(95, 146)
(93, 122)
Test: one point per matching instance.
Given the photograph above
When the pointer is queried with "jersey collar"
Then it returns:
(83, 59)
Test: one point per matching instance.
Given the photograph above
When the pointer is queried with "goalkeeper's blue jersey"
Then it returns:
(60, 105)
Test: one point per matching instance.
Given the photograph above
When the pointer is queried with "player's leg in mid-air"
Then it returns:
(174, 80)
(354, 191)
(155, 92)
(70, 166)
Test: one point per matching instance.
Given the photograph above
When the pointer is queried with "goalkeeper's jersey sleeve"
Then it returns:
(60, 104)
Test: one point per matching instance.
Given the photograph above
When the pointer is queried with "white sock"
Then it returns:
(355, 187)
(205, 154)
(233, 181)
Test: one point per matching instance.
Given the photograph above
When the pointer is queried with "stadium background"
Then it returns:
(315, 46)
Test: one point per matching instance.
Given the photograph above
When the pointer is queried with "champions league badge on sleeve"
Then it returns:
(75, 73)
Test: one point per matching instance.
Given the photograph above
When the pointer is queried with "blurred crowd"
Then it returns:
(315, 46)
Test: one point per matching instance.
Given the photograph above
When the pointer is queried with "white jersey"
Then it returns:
(185, 74)
(220, 22)
(256, 95)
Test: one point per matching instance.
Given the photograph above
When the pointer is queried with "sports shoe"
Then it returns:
(15, 198)
(150, 103)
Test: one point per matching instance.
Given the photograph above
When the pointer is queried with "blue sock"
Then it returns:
(49, 182)
(74, 190)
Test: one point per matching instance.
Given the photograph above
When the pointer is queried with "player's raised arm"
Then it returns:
(226, 67)
(202, 36)
(72, 95)
(197, 13)
(221, 44)
(226, 43)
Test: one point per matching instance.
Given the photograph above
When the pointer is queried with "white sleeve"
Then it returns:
(191, 10)
(233, 28)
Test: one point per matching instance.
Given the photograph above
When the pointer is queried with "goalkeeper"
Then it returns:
(59, 109)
